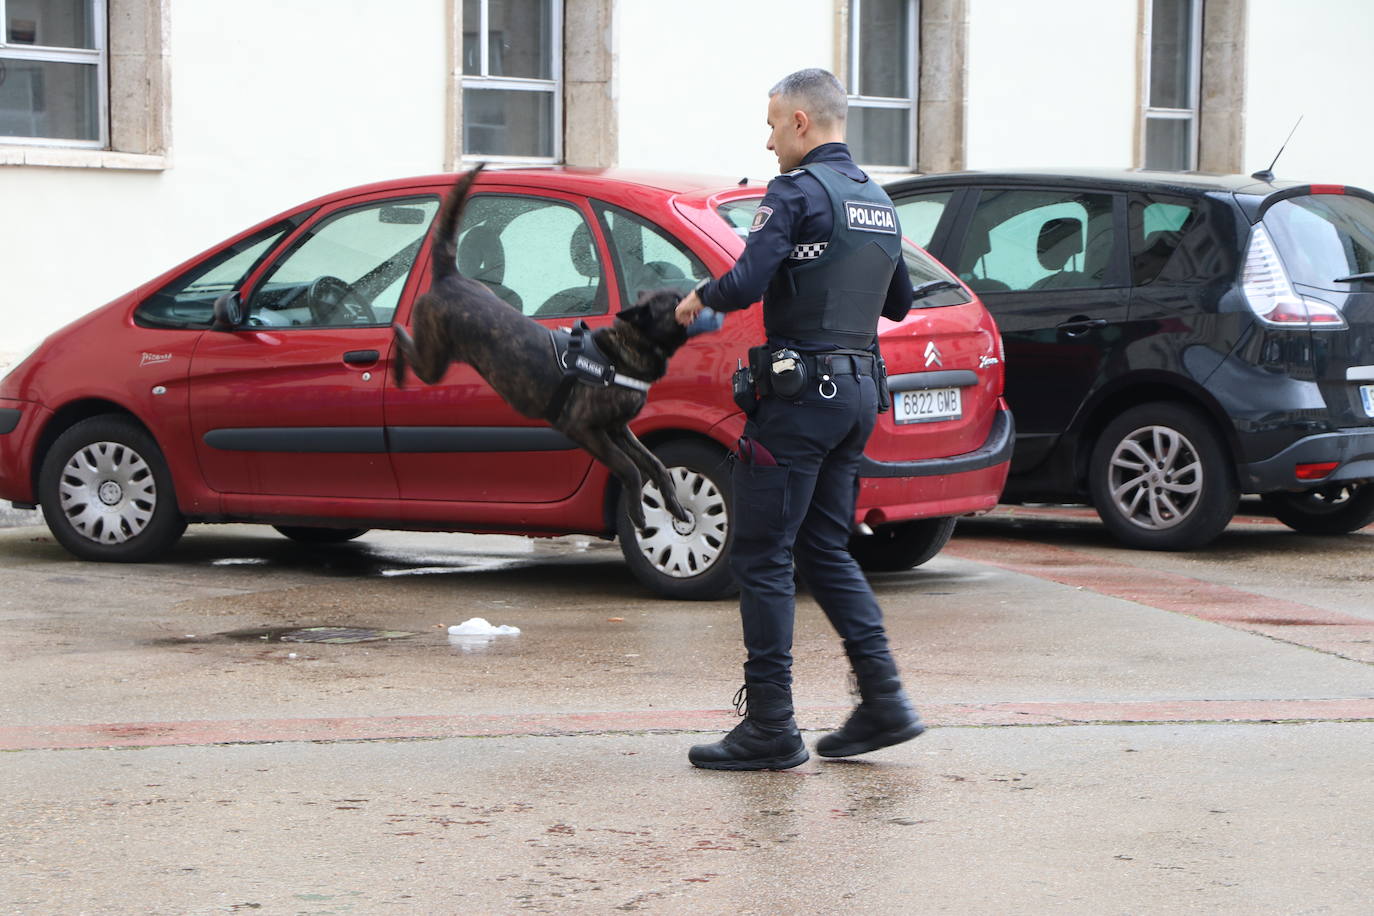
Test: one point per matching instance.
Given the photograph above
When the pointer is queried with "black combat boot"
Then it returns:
(884, 716)
(767, 738)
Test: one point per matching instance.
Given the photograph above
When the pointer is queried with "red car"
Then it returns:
(152, 411)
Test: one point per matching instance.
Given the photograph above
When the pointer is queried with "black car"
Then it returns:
(1173, 340)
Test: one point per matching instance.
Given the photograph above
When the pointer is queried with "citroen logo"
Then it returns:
(933, 355)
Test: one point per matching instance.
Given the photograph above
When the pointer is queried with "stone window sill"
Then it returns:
(55, 157)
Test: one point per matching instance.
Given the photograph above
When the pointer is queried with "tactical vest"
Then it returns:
(837, 298)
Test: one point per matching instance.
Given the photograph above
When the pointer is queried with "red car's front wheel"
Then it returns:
(107, 494)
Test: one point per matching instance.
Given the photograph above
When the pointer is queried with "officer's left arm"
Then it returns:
(899, 293)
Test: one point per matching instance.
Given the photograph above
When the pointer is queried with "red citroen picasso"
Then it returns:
(155, 410)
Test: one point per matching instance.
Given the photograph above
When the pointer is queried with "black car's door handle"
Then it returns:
(361, 357)
(1080, 324)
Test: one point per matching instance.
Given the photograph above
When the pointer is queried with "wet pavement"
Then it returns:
(261, 725)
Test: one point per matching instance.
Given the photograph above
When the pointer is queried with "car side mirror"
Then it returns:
(228, 312)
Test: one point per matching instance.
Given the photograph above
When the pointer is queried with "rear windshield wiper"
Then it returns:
(931, 287)
(1353, 277)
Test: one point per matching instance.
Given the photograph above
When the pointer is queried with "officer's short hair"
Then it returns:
(817, 92)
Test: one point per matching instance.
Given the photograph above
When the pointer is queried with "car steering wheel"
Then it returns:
(333, 302)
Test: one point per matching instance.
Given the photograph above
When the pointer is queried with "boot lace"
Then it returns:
(741, 700)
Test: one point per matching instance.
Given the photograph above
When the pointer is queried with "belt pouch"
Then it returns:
(759, 362)
(742, 388)
(880, 377)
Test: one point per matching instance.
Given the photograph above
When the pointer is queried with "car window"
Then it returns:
(1035, 240)
(189, 300)
(348, 270)
(535, 253)
(1157, 227)
(921, 267)
(739, 214)
(647, 257)
(919, 214)
(1323, 238)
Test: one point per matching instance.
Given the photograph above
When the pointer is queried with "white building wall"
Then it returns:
(694, 79)
(1310, 60)
(272, 103)
(1052, 83)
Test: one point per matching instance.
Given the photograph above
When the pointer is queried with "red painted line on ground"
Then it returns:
(374, 728)
(1290, 621)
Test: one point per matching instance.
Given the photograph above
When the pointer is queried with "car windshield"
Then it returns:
(739, 215)
(1324, 238)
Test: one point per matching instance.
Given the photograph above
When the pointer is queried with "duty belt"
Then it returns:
(839, 362)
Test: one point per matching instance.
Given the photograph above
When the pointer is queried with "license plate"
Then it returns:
(928, 405)
(1367, 396)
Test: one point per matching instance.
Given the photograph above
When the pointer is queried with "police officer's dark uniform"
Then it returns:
(825, 251)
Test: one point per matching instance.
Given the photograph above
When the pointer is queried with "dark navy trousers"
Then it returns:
(799, 514)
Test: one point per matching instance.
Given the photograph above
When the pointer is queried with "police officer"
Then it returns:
(824, 252)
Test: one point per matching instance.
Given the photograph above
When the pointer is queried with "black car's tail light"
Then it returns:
(1271, 295)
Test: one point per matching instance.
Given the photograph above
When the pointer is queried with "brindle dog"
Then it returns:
(461, 320)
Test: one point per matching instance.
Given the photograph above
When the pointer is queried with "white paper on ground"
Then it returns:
(478, 626)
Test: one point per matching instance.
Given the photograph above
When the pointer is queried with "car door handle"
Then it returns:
(361, 357)
(1080, 324)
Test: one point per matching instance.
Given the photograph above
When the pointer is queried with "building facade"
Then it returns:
(134, 133)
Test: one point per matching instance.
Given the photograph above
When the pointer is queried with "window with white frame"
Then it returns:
(882, 82)
(53, 60)
(512, 79)
(1172, 70)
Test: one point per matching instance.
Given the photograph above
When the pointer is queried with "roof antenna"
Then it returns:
(1268, 174)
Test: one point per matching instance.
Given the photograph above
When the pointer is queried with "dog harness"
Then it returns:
(584, 363)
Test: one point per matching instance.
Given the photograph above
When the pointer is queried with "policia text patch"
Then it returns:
(868, 217)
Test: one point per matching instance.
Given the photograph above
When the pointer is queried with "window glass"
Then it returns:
(919, 265)
(538, 255)
(1157, 229)
(1032, 240)
(512, 71)
(1171, 53)
(739, 214)
(348, 271)
(881, 81)
(920, 214)
(648, 258)
(508, 122)
(1323, 238)
(51, 70)
(189, 300)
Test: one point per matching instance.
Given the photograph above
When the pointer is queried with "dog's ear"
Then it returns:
(638, 316)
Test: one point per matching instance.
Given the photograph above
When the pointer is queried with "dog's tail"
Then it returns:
(444, 250)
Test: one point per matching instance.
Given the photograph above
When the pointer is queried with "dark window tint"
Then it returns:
(1158, 225)
(920, 214)
(648, 257)
(1034, 240)
(189, 300)
(1323, 238)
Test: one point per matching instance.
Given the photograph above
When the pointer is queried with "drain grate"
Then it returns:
(332, 635)
(341, 634)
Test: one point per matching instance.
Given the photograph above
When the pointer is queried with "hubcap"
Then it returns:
(1155, 477)
(680, 549)
(107, 493)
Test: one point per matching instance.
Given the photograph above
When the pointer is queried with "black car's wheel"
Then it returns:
(1161, 478)
(892, 548)
(1337, 508)
(308, 535)
(683, 560)
(107, 494)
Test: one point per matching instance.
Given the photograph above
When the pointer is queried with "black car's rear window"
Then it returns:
(739, 215)
(1323, 238)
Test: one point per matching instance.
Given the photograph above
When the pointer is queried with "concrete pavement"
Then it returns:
(163, 766)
